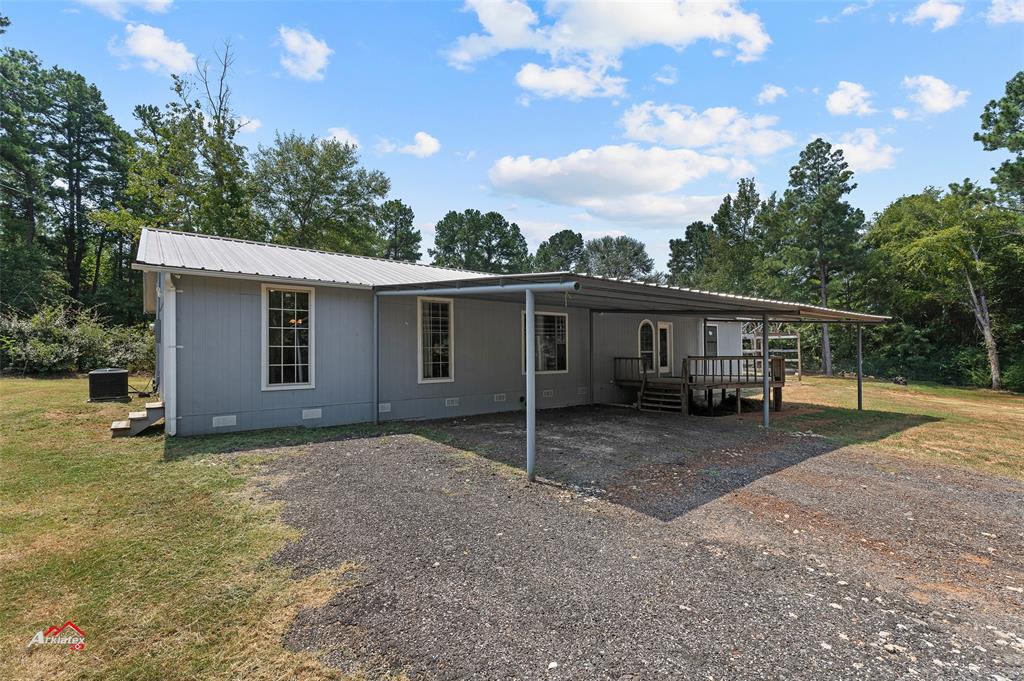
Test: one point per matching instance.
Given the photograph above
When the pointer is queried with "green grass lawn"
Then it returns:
(160, 551)
(161, 558)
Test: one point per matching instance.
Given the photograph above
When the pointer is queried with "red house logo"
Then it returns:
(66, 634)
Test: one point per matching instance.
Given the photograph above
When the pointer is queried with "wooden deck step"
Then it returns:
(138, 421)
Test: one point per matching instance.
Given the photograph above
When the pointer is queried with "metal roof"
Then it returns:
(166, 250)
(608, 294)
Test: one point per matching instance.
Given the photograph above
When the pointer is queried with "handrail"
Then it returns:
(732, 369)
(628, 369)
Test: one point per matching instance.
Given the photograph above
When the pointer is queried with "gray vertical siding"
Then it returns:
(220, 372)
(219, 363)
(488, 361)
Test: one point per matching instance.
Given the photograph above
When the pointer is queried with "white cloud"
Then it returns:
(942, 14)
(593, 35)
(118, 9)
(248, 124)
(864, 152)
(619, 182)
(1006, 11)
(848, 10)
(423, 145)
(342, 135)
(666, 75)
(899, 113)
(849, 98)
(725, 130)
(155, 49)
(305, 56)
(769, 93)
(571, 82)
(934, 95)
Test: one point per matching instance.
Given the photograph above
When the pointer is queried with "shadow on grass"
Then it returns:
(848, 426)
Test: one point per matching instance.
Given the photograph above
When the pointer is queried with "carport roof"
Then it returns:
(608, 294)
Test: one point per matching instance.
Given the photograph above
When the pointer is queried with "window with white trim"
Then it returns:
(551, 342)
(645, 343)
(287, 337)
(436, 340)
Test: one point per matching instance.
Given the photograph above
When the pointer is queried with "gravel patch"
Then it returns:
(654, 547)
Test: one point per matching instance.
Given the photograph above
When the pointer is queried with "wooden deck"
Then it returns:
(675, 393)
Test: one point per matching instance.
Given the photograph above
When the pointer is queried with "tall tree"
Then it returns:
(85, 149)
(560, 252)
(689, 256)
(1002, 127)
(484, 242)
(825, 227)
(948, 245)
(311, 192)
(621, 257)
(400, 240)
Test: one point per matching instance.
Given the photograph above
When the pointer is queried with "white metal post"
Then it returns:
(860, 372)
(531, 388)
(376, 358)
(765, 369)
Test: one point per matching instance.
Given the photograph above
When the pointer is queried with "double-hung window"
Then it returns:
(551, 342)
(436, 340)
(287, 337)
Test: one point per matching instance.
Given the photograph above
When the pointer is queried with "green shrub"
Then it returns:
(1013, 377)
(58, 339)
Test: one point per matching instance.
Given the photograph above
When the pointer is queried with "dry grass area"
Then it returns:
(161, 558)
(972, 427)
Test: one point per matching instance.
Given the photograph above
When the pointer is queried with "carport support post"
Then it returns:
(860, 372)
(765, 368)
(376, 358)
(531, 385)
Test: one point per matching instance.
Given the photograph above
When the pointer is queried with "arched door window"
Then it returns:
(645, 340)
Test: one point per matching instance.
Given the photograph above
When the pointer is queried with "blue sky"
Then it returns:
(606, 118)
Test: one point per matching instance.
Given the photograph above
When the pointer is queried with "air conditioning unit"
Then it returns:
(108, 384)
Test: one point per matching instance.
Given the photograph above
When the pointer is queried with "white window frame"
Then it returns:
(654, 346)
(704, 338)
(671, 350)
(419, 339)
(264, 340)
(522, 340)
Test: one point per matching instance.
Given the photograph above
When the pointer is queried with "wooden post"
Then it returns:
(860, 373)
(799, 360)
(739, 402)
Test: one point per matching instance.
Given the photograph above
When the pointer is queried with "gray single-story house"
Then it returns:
(254, 335)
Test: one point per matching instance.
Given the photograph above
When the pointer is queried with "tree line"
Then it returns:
(76, 190)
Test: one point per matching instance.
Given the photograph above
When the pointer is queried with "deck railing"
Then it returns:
(732, 370)
(629, 369)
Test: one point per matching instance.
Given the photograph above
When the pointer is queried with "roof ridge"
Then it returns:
(306, 250)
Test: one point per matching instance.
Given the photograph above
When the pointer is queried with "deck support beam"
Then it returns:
(531, 388)
(765, 370)
(860, 371)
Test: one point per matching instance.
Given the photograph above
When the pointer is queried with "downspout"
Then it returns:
(376, 359)
(765, 370)
(531, 389)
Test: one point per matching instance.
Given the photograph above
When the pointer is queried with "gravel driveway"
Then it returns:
(655, 547)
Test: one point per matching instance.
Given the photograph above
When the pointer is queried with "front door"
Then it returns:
(665, 348)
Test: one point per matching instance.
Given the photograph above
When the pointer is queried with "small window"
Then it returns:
(664, 347)
(436, 340)
(711, 340)
(287, 338)
(645, 341)
(551, 342)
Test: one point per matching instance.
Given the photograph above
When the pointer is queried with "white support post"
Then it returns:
(376, 358)
(860, 372)
(765, 370)
(531, 389)
(169, 346)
